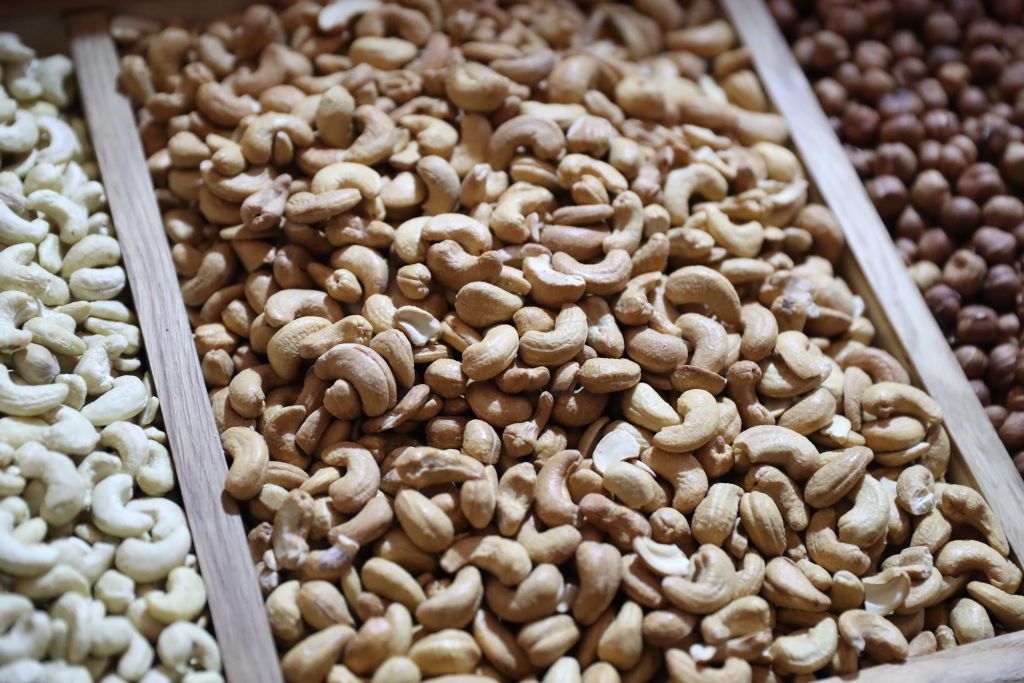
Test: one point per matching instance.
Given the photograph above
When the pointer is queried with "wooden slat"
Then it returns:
(995, 660)
(219, 537)
(896, 306)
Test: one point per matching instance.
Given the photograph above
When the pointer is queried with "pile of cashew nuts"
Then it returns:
(529, 355)
(97, 579)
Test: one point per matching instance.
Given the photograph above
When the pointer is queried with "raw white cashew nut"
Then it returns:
(65, 488)
(14, 229)
(19, 557)
(109, 513)
(19, 272)
(64, 143)
(181, 643)
(183, 600)
(21, 135)
(16, 308)
(70, 216)
(95, 366)
(151, 560)
(126, 399)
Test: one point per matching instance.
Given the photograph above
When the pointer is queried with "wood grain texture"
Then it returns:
(996, 660)
(894, 303)
(218, 534)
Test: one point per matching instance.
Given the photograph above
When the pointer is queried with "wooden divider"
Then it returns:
(217, 532)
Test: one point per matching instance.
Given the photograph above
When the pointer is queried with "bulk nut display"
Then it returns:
(97, 578)
(926, 96)
(529, 356)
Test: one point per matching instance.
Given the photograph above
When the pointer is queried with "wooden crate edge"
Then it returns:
(219, 539)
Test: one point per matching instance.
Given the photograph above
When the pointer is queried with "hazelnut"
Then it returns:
(935, 245)
(785, 14)
(905, 44)
(965, 145)
(895, 158)
(889, 195)
(983, 32)
(981, 391)
(940, 55)
(1007, 11)
(1001, 286)
(959, 215)
(944, 304)
(985, 62)
(849, 75)
(875, 84)
(941, 27)
(931, 92)
(832, 96)
(872, 54)
(979, 182)
(954, 77)
(992, 133)
(1018, 370)
(1003, 211)
(848, 22)
(994, 245)
(976, 324)
(930, 191)
(830, 49)
(1013, 162)
(973, 361)
(1015, 399)
(929, 154)
(900, 101)
(910, 224)
(905, 128)
(997, 416)
(1002, 363)
(966, 11)
(941, 124)
(913, 11)
(972, 101)
(1012, 431)
(908, 70)
(952, 160)
(964, 272)
(1009, 327)
(1011, 79)
(860, 124)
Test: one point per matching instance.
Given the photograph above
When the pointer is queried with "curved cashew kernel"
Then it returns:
(885, 591)
(661, 558)
(806, 651)
(874, 635)
(682, 183)
(171, 541)
(699, 412)
(868, 519)
(109, 512)
(700, 284)
(886, 399)
(837, 477)
(365, 370)
(964, 505)
(542, 135)
(507, 560)
(960, 557)
(184, 599)
(778, 446)
(787, 587)
(608, 276)
(249, 459)
(560, 344)
(710, 588)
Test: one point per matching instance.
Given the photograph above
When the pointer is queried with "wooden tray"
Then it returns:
(905, 329)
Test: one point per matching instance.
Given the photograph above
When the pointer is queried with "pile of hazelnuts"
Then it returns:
(928, 99)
